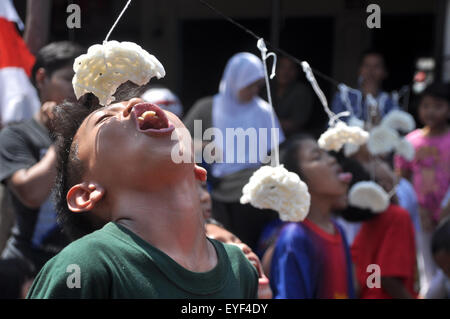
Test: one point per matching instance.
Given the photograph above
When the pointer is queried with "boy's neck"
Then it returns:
(171, 221)
(436, 130)
(320, 213)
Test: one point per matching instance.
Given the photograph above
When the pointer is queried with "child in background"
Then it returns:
(27, 169)
(430, 170)
(385, 239)
(217, 231)
(311, 259)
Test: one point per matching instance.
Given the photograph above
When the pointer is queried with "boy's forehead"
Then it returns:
(87, 121)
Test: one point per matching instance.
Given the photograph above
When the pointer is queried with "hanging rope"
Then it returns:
(274, 132)
(117, 20)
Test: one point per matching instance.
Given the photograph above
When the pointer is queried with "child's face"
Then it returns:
(434, 112)
(321, 170)
(118, 155)
(58, 86)
(442, 259)
(247, 93)
(372, 69)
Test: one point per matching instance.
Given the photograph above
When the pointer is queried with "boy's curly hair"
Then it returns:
(70, 169)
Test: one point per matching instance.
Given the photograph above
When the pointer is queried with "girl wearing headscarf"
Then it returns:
(237, 106)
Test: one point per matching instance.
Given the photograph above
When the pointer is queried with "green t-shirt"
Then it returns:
(113, 262)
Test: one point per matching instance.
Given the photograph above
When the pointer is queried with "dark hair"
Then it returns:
(70, 169)
(351, 213)
(289, 153)
(437, 90)
(55, 56)
(440, 241)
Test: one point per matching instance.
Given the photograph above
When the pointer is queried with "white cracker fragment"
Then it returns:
(382, 140)
(335, 137)
(278, 189)
(399, 120)
(369, 195)
(106, 66)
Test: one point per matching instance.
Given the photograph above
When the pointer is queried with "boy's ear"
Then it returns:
(200, 173)
(83, 197)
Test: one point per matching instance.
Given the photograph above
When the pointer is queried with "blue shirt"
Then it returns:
(360, 105)
(310, 263)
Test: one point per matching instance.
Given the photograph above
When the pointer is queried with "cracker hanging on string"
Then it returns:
(106, 66)
(335, 137)
(274, 187)
(278, 189)
(368, 195)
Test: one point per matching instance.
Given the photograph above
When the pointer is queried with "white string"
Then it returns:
(343, 90)
(310, 77)
(117, 20)
(274, 132)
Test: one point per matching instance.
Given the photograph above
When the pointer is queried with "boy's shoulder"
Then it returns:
(235, 256)
(241, 267)
(81, 263)
(294, 236)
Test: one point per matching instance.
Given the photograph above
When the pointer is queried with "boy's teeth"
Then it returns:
(147, 114)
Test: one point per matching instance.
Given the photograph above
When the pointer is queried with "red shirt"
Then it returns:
(387, 240)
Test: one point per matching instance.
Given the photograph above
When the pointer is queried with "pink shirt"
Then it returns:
(430, 168)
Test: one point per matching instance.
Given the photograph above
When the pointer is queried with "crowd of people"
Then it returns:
(76, 191)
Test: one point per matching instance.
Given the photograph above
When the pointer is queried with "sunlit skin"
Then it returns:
(321, 172)
(130, 179)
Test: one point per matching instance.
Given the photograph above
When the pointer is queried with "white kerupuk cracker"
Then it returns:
(368, 195)
(278, 189)
(335, 137)
(106, 66)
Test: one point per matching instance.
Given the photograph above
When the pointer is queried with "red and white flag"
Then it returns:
(18, 97)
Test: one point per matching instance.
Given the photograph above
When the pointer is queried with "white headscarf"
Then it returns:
(241, 70)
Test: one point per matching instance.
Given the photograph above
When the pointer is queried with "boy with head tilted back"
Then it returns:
(136, 213)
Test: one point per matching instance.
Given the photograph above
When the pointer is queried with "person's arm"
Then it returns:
(395, 288)
(37, 24)
(33, 185)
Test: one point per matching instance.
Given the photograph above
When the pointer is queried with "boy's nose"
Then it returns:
(131, 103)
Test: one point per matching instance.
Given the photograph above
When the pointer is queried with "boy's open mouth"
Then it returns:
(151, 118)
